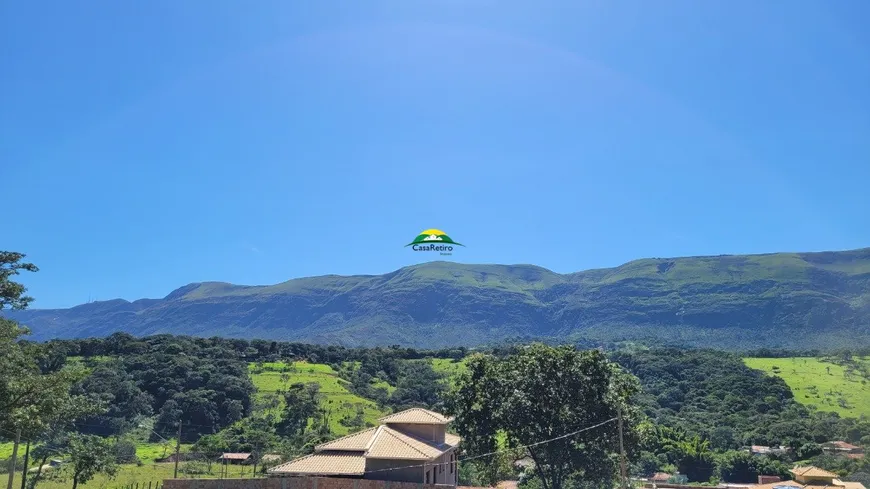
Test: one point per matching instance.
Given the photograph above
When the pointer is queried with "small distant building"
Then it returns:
(759, 449)
(660, 477)
(235, 458)
(841, 447)
(767, 479)
(766, 450)
(811, 478)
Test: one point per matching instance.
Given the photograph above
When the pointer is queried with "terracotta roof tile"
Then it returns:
(236, 456)
(798, 485)
(392, 444)
(347, 455)
(324, 463)
(354, 441)
(853, 485)
(451, 439)
(842, 444)
(416, 416)
(810, 471)
(778, 484)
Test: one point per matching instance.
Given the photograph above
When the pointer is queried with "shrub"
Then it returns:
(125, 452)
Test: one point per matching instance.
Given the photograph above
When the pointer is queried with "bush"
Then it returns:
(862, 477)
(738, 466)
(125, 452)
(195, 467)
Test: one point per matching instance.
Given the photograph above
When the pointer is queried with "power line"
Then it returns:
(550, 440)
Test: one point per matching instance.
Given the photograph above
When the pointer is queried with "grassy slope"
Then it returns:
(340, 401)
(336, 398)
(812, 385)
(808, 379)
(447, 366)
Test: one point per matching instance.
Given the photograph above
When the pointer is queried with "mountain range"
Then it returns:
(795, 300)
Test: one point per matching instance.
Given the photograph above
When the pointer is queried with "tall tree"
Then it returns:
(210, 447)
(90, 455)
(30, 399)
(695, 459)
(540, 393)
(302, 403)
(11, 292)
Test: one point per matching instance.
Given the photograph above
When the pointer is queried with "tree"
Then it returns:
(24, 391)
(301, 404)
(51, 442)
(695, 459)
(12, 293)
(541, 393)
(722, 438)
(125, 451)
(862, 477)
(210, 446)
(737, 466)
(90, 455)
(30, 399)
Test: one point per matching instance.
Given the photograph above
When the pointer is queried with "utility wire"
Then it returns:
(496, 452)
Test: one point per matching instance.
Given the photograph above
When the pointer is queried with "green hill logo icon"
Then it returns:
(433, 240)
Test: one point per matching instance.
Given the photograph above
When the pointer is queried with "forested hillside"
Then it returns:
(795, 300)
(278, 397)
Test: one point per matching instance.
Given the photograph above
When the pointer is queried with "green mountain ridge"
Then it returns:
(806, 300)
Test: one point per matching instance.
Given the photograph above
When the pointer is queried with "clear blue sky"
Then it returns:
(146, 145)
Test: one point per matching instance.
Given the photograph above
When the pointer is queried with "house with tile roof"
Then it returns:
(408, 446)
(843, 448)
(812, 478)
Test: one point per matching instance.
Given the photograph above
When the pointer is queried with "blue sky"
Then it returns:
(146, 145)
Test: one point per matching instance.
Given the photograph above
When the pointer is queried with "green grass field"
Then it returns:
(5, 450)
(825, 385)
(336, 397)
(132, 474)
(448, 367)
(148, 452)
(352, 367)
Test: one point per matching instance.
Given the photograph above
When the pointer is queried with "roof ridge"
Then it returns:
(374, 437)
(801, 470)
(436, 417)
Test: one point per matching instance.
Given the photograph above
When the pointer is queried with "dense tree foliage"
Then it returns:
(692, 411)
(714, 395)
(34, 389)
(708, 405)
(540, 393)
(12, 292)
(90, 455)
(375, 359)
(180, 380)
